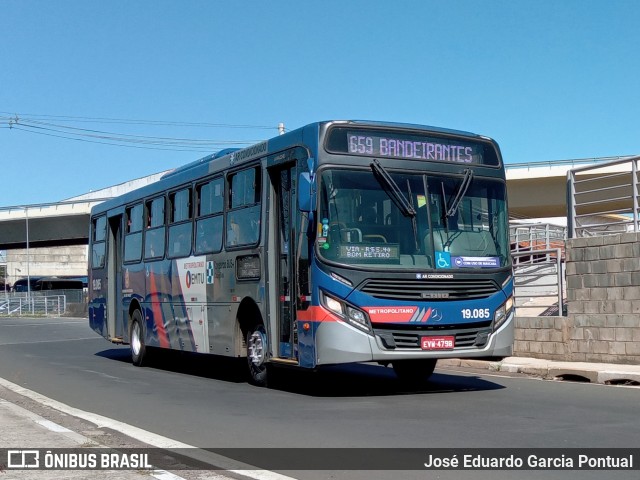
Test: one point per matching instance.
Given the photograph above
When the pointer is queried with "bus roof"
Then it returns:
(410, 126)
(229, 157)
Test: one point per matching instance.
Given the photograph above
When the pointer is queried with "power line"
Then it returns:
(145, 137)
(42, 127)
(127, 138)
(134, 121)
(114, 144)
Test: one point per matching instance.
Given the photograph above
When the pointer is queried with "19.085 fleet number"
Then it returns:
(476, 313)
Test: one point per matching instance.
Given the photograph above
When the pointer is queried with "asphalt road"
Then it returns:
(203, 401)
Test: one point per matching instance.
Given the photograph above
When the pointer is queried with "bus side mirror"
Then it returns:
(306, 193)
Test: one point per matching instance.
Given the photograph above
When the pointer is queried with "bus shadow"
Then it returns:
(121, 354)
(353, 380)
(362, 380)
(205, 366)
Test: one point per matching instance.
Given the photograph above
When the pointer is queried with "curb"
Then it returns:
(599, 373)
(224, 465)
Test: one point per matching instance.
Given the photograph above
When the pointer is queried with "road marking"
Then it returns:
(144, 436)
(44, 324)
(51, 426)
(164, 475)
(78, 438)
(54, 427)
(50, 341)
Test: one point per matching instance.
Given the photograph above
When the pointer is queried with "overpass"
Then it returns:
(535, 190)
(539, 189)
(58, 223)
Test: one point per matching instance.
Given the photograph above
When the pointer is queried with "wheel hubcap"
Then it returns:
(135, 339)
(255, 348)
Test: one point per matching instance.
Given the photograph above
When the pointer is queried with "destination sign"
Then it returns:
(370, 252)
(392, 144)
(422, 149)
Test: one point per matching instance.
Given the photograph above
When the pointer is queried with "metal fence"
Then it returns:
(539, 282)
(534, 237)
(16, 305)
(537, 251)
(50, 302)
(72, 295)
(603, 199)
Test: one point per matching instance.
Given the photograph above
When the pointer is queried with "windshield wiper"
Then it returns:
(392, 189)
(414, 223)
(460, 193)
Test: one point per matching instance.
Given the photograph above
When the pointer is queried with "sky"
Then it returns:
(94, 93)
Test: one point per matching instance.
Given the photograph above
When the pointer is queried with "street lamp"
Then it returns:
(26, 219)
(26, 224)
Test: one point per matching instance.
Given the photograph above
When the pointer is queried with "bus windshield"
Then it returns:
(390, 220)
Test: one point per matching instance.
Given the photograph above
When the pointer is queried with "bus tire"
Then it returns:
(414, 371)
(257, 355)
(136, 339)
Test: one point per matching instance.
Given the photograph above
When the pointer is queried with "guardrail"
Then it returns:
(72, 295)
(562, 163)
(603, 199)
(54, 305)
(538, 282)
(533, 237)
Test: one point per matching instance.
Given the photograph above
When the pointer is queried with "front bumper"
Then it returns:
(339, 342)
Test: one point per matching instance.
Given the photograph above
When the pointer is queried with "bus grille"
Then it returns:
(405, 339)
(429, 290)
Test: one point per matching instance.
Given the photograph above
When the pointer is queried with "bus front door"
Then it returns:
(285, 247)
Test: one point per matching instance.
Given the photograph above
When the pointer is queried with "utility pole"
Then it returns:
(26, 217)
(280, 128)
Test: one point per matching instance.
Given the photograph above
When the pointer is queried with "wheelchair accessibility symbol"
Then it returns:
(443, 260)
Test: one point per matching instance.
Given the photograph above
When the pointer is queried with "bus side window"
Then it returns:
(209, 207)
(133, 233)
(154, 233)
(180, 227)
(98, 237)
(243, 217)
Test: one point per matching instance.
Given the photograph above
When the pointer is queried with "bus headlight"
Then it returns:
(358, 318)
(334, 305)
(351, 315)
(502, 313)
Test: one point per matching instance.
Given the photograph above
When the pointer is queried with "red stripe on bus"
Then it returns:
(163, 339)
(316, 314)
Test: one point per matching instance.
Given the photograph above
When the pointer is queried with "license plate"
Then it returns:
(437, 343)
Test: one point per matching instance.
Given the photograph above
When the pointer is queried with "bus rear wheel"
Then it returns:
(257, 355)
(414, 371)
(136, 339)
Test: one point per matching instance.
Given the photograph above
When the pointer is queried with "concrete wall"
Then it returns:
(542, 337)
(603, 296)
(50, 262)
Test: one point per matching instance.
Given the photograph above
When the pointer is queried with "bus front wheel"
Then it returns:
(414, 371)
(136, 339)
(257, 355)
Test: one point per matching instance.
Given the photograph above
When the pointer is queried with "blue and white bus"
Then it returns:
(339, 242)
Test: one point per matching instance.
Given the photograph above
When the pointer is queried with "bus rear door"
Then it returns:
(114, 272)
